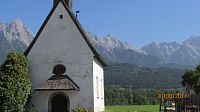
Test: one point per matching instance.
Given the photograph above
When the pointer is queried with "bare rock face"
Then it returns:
(14, 36)
(165, 54)
(116, 51)
(185, 53)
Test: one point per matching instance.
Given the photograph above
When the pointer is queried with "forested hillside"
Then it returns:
(125, 75)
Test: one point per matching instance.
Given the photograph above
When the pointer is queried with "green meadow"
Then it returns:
(133, 108)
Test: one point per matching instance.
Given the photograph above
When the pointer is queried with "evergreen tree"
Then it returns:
(14, 83)
(191, 80)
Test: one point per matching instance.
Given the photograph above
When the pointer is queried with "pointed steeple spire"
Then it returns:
(67, 2)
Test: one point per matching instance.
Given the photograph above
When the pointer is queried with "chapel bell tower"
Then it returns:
(68, 3)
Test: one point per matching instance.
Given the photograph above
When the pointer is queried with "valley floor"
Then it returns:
(133, 108)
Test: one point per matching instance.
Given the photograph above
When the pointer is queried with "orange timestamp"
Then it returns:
(173, 96)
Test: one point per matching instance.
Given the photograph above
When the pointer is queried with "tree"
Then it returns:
(191, 80)
(15, 83)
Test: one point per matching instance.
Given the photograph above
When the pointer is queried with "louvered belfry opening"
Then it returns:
(67, 2)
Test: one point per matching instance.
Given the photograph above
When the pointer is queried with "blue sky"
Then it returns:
(135, 21)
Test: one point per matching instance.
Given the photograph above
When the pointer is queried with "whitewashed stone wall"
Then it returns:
(98, 80)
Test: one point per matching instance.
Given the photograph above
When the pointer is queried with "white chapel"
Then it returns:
(66, 70)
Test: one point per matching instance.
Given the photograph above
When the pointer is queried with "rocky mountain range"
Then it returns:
(166, 54)
(16, 36)
(185, 53)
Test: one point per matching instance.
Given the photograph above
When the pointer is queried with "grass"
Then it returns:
(133, 108)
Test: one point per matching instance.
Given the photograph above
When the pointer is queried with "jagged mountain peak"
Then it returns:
(111, 42)
(159, 45)
(14, 36)
(162, 50)
(185, 53)
(16, 30)
(169, 43)
(110, 35)
(18, 22)
(193, 40)
(152, 44)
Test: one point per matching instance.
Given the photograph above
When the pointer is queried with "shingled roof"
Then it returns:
(58, 82)
(78, 25)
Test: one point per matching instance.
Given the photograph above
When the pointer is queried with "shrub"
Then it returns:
(14, 83)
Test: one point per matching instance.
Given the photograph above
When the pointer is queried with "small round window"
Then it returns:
(59, 69)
